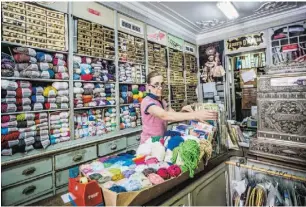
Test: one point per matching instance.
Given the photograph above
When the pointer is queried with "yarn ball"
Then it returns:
(118, 189)
(140, 94)
(132, 185)
(174, 142)
(144, 149)
(151, 160)
(155, 179)
(83, 180)
(148, 171)
(158, 151)
(135, 91)
(156, 138)
(174, 170)
(128, 173)
(163, 172)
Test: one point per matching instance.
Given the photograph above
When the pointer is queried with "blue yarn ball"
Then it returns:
(118, 189)
(174, 142)
(4, 131)
(51, 73)
(76, 76)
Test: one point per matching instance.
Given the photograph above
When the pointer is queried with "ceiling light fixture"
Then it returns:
(228, 9)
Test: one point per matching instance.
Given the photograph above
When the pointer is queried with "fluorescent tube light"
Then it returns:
(228, 9)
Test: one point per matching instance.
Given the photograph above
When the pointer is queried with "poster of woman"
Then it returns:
(211, 60)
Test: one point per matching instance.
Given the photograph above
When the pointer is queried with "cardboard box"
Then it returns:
(137, 198)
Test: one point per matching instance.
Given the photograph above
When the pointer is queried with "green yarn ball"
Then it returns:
(135, 91)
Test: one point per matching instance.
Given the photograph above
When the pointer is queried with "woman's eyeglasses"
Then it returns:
(160, 86)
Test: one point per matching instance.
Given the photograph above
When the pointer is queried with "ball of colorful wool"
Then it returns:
(140, 94)
(174, 142)
(118, 189)
(148, 171)
(132, 185)
(155, 179)
(135, 91)
(117, 177)
(162, 172)
(174, 170)
(128, 173)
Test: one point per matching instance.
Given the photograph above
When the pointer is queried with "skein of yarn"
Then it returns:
(174, 170)
(155, 179)
(163, 172)
(148, 171)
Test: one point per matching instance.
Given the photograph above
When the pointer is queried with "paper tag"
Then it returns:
(248, 75)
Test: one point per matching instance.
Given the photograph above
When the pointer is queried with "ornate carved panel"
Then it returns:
(280, 150)
(282, 116)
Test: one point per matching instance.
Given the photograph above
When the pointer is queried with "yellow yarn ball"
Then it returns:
(49, 90)
(84, 180)
(140, 94)
(135, 96)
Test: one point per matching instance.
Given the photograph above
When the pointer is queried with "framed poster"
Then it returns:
(211, 62)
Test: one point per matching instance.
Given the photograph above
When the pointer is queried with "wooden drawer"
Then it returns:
(133, 140)
(111, 146)
(61, 178)
(26, 171)
(75, 157)
(184, 201)
(26, 191)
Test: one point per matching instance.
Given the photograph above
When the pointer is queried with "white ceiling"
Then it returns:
(190, 14)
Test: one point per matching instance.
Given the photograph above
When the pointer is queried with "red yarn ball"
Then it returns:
(5, 119)
(174, 170)
(162, 172)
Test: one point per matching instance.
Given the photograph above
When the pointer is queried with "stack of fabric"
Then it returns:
(59, 127)
(78, 95)
(60, 67)
(110, 94)
(110, 119)
(89, 123)
(26, 63)
(8, 66)
(23, 94)
(87, 97)
(8, 96)
(45, 65)
(99, 94)
(62, 98)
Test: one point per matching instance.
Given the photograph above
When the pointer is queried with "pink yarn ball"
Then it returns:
(174, 170)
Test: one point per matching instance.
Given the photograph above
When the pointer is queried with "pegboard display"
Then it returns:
(131, 48)
(95, 40)
(191, 69)
(31, 25)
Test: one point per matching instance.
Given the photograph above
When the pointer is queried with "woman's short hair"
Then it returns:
(152, 75)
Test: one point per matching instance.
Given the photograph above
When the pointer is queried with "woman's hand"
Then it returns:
(187, 108)
(204, 115)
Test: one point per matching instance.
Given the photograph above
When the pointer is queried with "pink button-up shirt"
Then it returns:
(151, 125)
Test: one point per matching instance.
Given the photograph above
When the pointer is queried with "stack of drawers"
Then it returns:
(55, 30)
(109, 43)
(14, 22)
(31, 25)
(36, 26)
(84, 37)
(176, 67)
(96, 40)
(281, 102)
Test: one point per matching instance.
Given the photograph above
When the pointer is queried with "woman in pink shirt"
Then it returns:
(156, 113)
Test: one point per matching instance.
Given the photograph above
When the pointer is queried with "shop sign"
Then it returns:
(175, 43)
(156, 35)
(94, 12)
(189, 49)
(252, 40)
(131, 26)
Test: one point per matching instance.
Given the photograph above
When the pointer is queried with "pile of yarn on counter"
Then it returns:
(93, 69)
(127, 172)
(24, 132)
(89, 123)
(184, 145)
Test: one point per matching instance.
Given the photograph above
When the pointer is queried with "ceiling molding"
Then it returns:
(253, 25)
(138, 11)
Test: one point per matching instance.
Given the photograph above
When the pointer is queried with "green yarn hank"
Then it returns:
(156, 138)
(189, 152)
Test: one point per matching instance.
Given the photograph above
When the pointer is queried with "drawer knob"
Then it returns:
(77, 158)
(138, 138)
(114, 147)
(29, 171)
(29, 190)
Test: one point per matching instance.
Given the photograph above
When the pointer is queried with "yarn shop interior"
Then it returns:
(78, 112)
